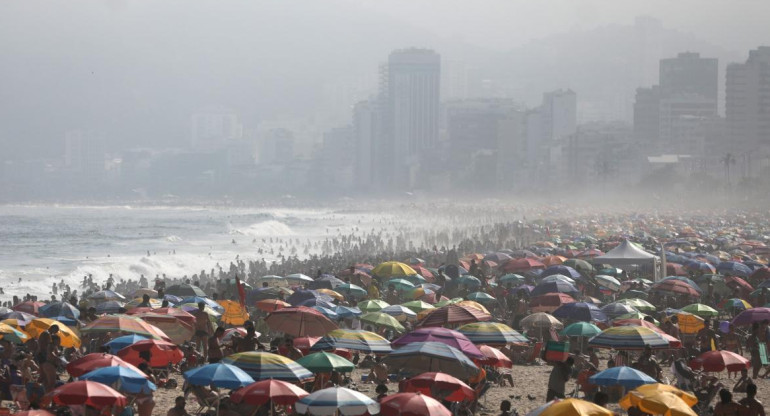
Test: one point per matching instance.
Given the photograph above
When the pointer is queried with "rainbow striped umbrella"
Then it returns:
(265, 365)
(628, 338)
(353, 339)
(491, 333)
(125, 324)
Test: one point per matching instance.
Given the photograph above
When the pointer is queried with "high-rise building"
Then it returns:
(213, 127)
(413, 89)
(747, 96)
(367, 139)
(559, 111)
(647, 115)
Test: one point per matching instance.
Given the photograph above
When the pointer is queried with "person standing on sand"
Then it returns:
(203, 328)
(215, 345)
(557, 381)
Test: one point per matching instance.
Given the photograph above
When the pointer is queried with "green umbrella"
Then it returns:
(613, 271)
(481, 297)
(324, 362)
(400, 284)
(415, 279)
(581, 266)
(418, 306)
(607, 281)
(448, 302)
(511, 278)
(351, 289)
(383, 320)
(372, 305)
(699, 309)
(580, 329)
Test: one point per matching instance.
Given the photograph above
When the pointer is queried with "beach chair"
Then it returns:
(206, 399)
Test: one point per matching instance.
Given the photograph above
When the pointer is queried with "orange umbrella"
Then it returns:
(270, 305)
(440, 385)
(161, 353)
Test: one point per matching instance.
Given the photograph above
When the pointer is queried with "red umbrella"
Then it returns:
(454, 315)
(677, 287)
(440, 385)
(271, 305)
(161, 353)
(424, 272)
(760, 275)
(304, 343)
(93, 361)
(494, 357)
(716, 361)
(549, 302)
(29, 307)
(522, 265)
(735, 281)
(261, 392)
(412, 404)
(86, 392)
(300, 321)
(34, 413)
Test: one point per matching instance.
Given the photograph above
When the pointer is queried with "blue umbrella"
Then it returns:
(329, 313)
(209, 302)
(301, 295)
(580, 311)
(317, 302)
(733, 268)
(110, 307)
(119, 343)
(553, 287)
(621, 376)
(172, 299)
(561, 269)
(347, 311)
(222, 375)
(60, 309)
(22, 317)
(325, 281)
(122, 379)
(468, 280)
(66, 320)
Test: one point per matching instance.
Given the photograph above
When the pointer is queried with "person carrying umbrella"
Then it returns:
(558, 379)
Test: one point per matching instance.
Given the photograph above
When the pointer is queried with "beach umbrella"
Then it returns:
(689, 323)
(265, 365)
(473, 305)
(67, 336)
(352, 290)
(309, 303)
(172, 327)
(390, 269)
(372, 305)
(628, 338)
(301, 295)
(231, 333)
(185, 291)
(412, 404)
(491, 333)
(419, 357)
(400, 284)
(469, 281)
(154, 303)
(180, 314)
(446, 336)
(453, 315)
(121, 379)
(331, 293)
(676, 287)
(161, 353)
(88, 393)
(383, 320)
(734, 268)
(493, 357)
(580, 329)
(300, 321)
(324, 362)
(481, 297)
(638, 304)
(522, 265)
(615, 309)
(119, 343)
(94, 361)
(34, 413)
(609, 282)
(638, 316)
(570, 407)
(716, 361)
(735, 305)
(263, 293)
(261, 392)
(110, 307)
(557, 278)
(563, 270)
(445, 302)
(219, 375)
(59, 309)
(336, 401)
(347, 311)
(327, 313)
(105, 295)
(138, 293)
(541, 320)
(353, 339)
(662, 403)
(441, 386)
(554, 287)
(418, 306)
(553, 260)
(654, 389)
(13, 335)
(735, 282)
(699, 309)
(699, 266)
(234, 313)
(400, 312)
(299, 278)
(211, 303)
(122, 324)
(627, 377)
(580, 265)
(30, 307)
(513, 279)
(580, 311)
(749, 316)
(19, 319)
(270, 305)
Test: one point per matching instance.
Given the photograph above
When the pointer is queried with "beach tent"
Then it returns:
(627, 254)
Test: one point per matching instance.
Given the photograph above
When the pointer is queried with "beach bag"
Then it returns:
(556, 351)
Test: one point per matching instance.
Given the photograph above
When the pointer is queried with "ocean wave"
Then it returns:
(270, 228)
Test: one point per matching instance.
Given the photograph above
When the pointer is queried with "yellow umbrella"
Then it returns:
(68, 337)
(660, 403)
(474, 305)
(234, 313)
(574, 407)
(12, 334)
(689, 323)
(331, 293)
(655, 388)
(390, 269)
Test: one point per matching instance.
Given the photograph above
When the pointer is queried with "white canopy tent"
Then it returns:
(627, 254)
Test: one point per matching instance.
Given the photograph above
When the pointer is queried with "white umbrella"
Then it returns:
(299, 278)
(336, 400)
(609, 282)
(558, 277)
(401, 313)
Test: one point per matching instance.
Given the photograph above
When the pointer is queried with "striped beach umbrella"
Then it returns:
(628, 338)
(352, 339)
(125, 324)
(300, 321)
(446, 336)
(491, 333)
(399, 312)
(337, 401)
(265, 365)
(420, 357)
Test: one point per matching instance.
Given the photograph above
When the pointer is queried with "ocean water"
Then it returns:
(40, 245)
